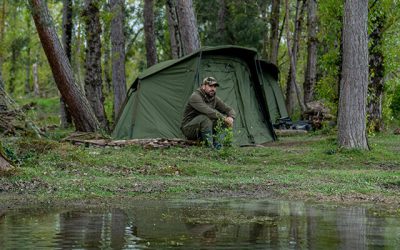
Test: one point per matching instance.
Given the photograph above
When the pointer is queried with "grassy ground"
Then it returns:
(308, 167)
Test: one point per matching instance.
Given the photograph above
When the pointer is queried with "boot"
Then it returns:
(207, 138)
(219, 140)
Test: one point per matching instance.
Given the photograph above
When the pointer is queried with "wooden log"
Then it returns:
(289, 132)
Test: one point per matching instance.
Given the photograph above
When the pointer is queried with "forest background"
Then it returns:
(261, 24)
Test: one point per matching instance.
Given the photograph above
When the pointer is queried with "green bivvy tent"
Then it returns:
(156, 100)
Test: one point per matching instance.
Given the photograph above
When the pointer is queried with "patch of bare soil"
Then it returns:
(291, 143)
(22, 194)
(392, 186)
(267, 190)
(349, 199)
(24, 186)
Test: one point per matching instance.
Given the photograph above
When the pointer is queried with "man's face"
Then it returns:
(210, 90)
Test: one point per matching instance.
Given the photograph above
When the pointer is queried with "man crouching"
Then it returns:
(202, 112)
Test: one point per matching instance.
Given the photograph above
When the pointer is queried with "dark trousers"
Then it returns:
(197, 127)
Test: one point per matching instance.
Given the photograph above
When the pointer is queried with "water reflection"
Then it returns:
(228, 224)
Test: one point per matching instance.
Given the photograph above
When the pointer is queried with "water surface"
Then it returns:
(202, 224)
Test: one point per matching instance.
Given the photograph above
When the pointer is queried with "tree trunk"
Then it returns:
(5, 165)
(28, 71)
(35, 73)
(2, 26)
(149, 35)
(274, 37)
(221, 22)
(1, 79)
(352, 227)
(187, 26)
(82, 114)
(292, 88)
(65, 116)
(107, 50)
(376, 71)
(311, 69)
(118, 54)
(263, 7)
(13, 67)
(28, 59)
(67, 28)
(354, 82)
(77, 65)
(173, 26)
(93, 76)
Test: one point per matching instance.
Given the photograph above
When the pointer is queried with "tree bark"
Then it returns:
(311, 69)
(93, 76)
(292, 88)
(2, 26)
(221, 22)
(376, 72)
(82, 114)
(187, 26)
(107, 51)
(1, 79)
(13, 67)
(274, 36)
(354, 82)
(28, 59)
(263, 7)
(5, 165)
(65, 116)
(35, 72)
(149, 35)
(77, 65)
(173, 26)
(118, 54)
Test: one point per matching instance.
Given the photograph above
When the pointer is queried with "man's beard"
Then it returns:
(211, 94)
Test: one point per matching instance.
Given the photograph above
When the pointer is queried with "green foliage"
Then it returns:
(223, 134)
(395, 104)
(43, 111)
(244, 23)
(329, 60)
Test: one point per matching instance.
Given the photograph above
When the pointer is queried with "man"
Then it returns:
(202, 112)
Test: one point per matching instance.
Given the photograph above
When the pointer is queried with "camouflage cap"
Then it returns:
(210, 81)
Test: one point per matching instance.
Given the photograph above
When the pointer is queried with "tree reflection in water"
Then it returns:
(235, 224)
(94, 229)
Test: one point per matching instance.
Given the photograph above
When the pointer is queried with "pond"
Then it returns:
(202, 224)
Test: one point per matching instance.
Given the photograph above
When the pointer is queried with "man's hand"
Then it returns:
(229, 121)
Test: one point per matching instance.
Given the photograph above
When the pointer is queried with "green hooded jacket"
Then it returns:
(199, 103)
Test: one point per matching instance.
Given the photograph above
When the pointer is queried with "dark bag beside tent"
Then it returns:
(156, 100)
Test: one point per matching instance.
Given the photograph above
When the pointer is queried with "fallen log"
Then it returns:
(5, 166)
(289, 132)
(146, 143)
